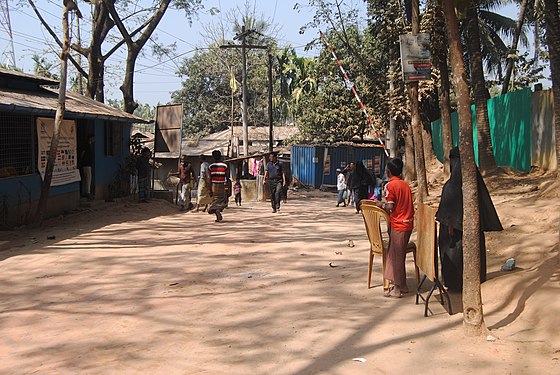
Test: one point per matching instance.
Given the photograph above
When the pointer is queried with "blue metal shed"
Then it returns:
(316, 165)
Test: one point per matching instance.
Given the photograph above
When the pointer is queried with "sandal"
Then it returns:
(392, 294)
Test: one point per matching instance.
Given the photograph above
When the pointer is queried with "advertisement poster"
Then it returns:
(415, 57)
(327, 163)
(66, 165)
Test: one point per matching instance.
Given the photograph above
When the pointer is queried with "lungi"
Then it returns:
(218, 197)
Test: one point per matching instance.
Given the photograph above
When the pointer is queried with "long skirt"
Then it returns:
(218, 198)
(203, 198)
(396, 255)
(451, 254)
(143, 192)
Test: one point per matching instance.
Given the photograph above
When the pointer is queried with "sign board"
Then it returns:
(66, 163)
(169, 121)
(415, 57)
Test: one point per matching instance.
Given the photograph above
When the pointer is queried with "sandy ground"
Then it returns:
(143, 288)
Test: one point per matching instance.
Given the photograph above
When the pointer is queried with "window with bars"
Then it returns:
(17, 145)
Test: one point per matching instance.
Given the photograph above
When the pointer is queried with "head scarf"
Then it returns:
(450, 210)
(362, 174)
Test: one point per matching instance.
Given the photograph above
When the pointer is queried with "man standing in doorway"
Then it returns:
(276, 179)
(86, 161)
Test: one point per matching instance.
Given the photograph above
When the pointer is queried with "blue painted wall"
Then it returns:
(20, 192)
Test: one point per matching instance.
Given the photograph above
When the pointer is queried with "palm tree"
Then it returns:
(486, 158)
(518, 29)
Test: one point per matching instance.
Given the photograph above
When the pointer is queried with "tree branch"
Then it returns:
(53, 34)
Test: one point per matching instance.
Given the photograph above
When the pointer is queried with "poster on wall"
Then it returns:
(415, 57)
(66, 165)
(327, 163)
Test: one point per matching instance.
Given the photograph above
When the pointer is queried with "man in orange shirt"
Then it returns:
(399, 205)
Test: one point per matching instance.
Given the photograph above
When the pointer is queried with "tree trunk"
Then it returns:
(552, 23)
(473, 318)
(409, 166)
(127, 88)
(412, 89)
(510, 61)
(134, 47)
(445, 108)
(486, 159)
(429, 154)
(61, 106)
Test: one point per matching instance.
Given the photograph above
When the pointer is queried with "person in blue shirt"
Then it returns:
(277, 180)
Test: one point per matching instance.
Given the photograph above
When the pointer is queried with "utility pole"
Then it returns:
(244, 89)
(244, 46)
(270, 119)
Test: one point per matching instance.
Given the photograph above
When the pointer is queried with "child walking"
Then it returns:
(237, 192)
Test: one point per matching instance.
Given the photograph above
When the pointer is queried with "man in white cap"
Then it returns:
(341, 187)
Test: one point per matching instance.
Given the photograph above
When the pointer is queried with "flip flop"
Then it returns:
(392, 294)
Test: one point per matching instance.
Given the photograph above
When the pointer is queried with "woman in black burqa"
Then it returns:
(360, 182)
(450, 217)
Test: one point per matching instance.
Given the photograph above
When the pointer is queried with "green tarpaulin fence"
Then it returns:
(510, 129)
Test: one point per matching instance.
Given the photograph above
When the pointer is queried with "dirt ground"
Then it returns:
(143, 288)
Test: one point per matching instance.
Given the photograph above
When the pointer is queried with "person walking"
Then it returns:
(277, 180)
(398, 203)
(348, 174)
(237, 191)
(217, 176)
(341, 187)
(186, 178)
(203, 198)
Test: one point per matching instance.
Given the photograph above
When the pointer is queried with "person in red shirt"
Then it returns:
(217, 176)
(398, 203)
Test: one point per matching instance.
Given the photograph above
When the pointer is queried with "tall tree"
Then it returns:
(433, 22)
(69, 5)
(510, 59)
(473, 319)
(552, 24)
(486, 158)
(131, 14)
(416, 123)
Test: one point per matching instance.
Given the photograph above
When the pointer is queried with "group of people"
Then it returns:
(355, 183)
(398, 203)
(215, 186)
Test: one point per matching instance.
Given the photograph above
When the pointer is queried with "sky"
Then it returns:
(154, 80)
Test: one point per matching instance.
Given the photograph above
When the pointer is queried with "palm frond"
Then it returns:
(504, 25)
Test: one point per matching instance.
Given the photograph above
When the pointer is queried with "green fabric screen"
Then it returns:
(510, 129)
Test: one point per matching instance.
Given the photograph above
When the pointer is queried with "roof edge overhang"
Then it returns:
(69, 114)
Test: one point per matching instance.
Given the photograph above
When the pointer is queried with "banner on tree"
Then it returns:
(66, 165)
(415, 57)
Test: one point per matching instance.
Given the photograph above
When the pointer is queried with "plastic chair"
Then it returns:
(373, 217)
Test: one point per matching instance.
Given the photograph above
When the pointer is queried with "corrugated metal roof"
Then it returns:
(28, 77)
(220, 141)
(43, 101)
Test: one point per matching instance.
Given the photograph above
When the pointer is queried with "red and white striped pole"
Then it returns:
(350, 85)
